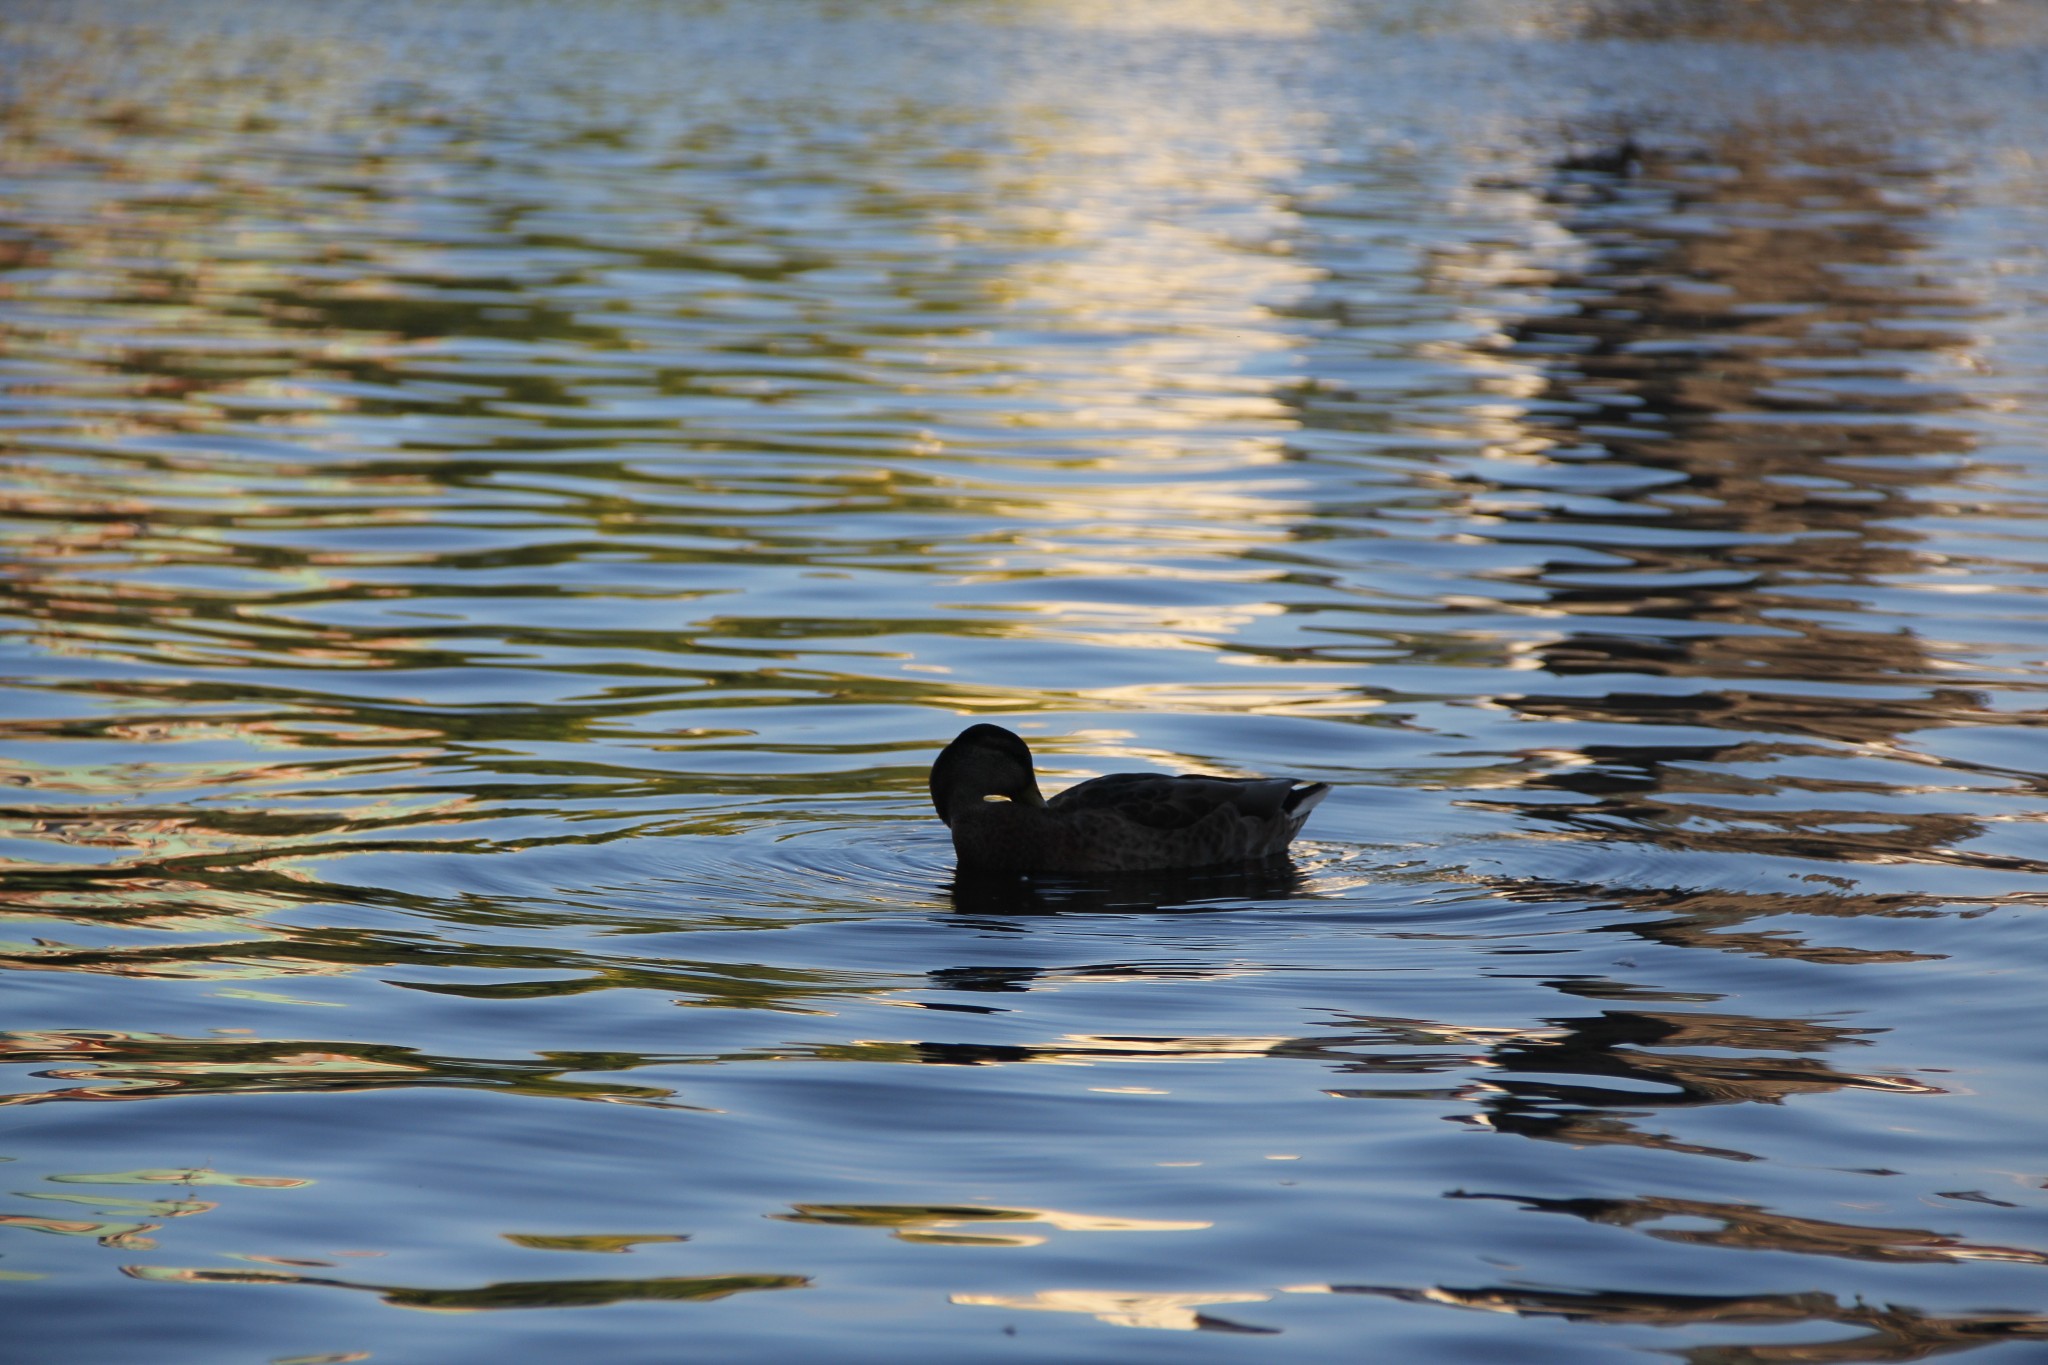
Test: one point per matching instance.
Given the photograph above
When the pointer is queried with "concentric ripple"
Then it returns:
(501, 505)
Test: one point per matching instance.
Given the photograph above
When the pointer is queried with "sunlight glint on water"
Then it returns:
(503, 504)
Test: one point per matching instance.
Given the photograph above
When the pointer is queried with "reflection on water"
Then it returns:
(998, 897)
(909, 1223)
(501, 512)
(1583, 1081)
(1890, 1333)
(152, 1065)
(613, 1243)
(535, 1294)
(1741, 1226)
(1173, 1312)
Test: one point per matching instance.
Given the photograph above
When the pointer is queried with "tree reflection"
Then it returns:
(505, 1294)
(1745, 1226)
(1891, 1333)
(1783, 21)
(1586, 1081)
(1735, 402)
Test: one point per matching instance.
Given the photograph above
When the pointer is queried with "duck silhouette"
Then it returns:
(986, 790)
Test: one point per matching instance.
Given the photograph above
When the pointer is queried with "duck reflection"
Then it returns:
(1006, 897)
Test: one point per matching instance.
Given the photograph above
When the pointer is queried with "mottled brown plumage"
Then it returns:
(986, 791)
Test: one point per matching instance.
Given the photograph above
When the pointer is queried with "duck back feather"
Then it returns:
(985, 789)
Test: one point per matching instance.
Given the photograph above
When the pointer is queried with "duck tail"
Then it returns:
(1303, 798)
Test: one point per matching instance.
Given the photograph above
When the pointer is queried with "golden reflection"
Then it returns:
(506, 1294)
(609, 1242)
(172, 963)
(174, 904)
(1074, 1049)
(272, 998)
(1142, 266)
(1238, 18)
(182, 1175)
(1169, 1312)
(932, 1222)
(252, 955)
(139, 1066)
(1193, 1049)
(123, 1233)
(123, 1236)
(221, 828)
(1128, 626)
(145, 1208)
(1234, 698)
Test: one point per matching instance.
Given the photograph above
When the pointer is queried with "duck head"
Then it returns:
(984, 763)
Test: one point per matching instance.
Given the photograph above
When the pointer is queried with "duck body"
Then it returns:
(985, 788)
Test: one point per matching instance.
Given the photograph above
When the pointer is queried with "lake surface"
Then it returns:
(504, 501)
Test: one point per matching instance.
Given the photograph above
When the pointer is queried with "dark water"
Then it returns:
(504, 501)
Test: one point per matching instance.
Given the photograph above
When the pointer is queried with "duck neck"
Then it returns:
(1002, 835)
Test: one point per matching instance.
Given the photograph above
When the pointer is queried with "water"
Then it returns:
(505, 500)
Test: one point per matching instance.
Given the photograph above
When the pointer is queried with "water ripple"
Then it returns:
(500, 512)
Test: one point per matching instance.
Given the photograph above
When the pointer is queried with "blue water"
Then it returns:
(504, 500)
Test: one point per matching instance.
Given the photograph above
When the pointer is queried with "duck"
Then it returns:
(985, 787)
